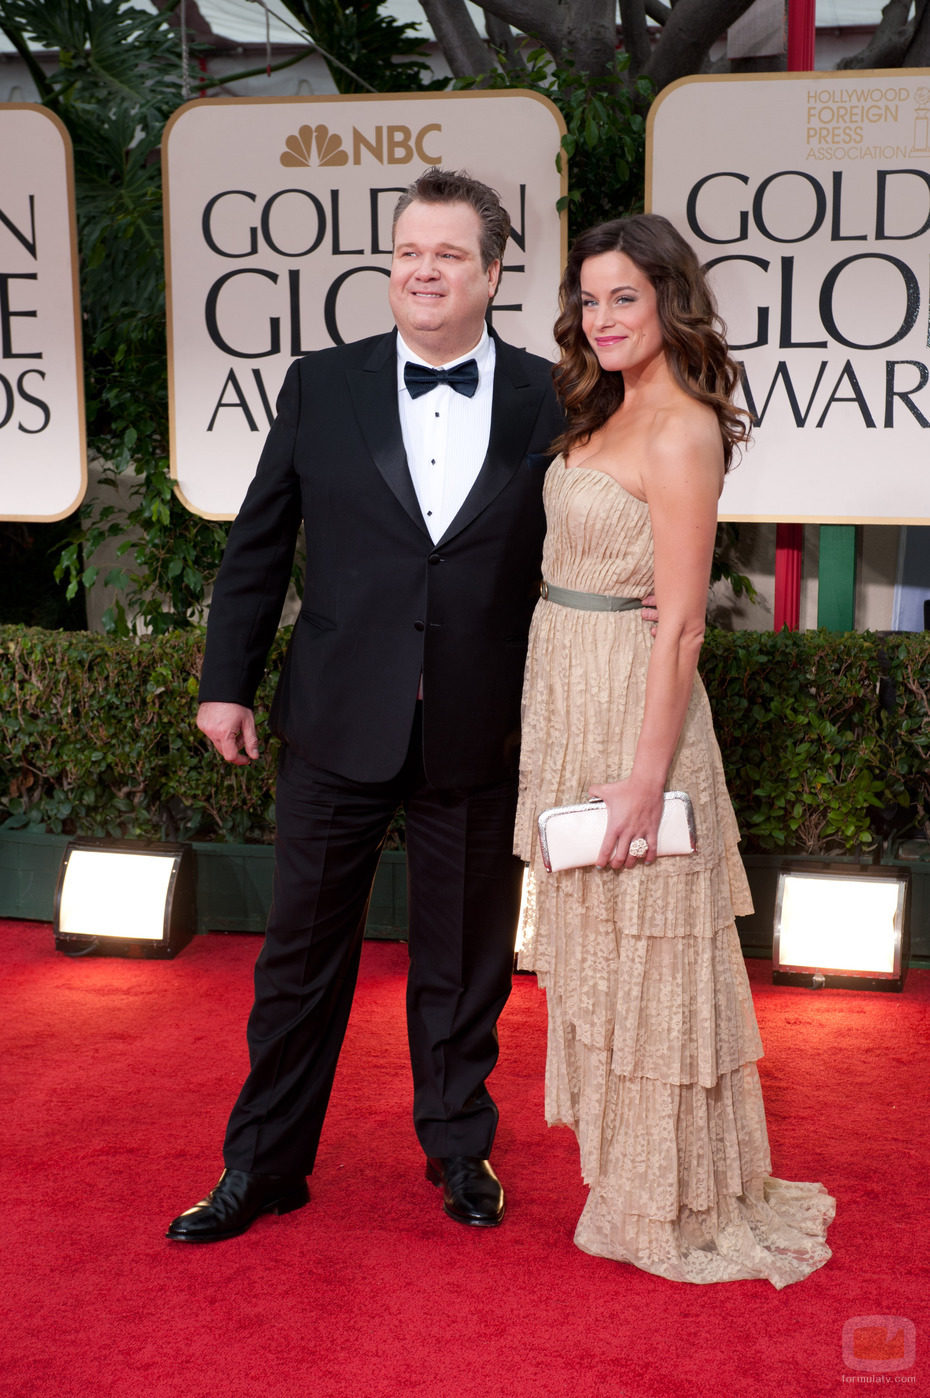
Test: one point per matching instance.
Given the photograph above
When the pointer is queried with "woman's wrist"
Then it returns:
(649, 781)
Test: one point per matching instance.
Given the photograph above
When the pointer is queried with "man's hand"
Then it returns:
(231, 730)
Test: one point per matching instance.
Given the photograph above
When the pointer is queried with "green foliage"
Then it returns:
(365, 49)
(723, 567)
(605, 139)
(97, 737)
(118, 81)
(906, 698)
(815, 763)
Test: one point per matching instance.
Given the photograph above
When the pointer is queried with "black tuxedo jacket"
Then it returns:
(381, 603)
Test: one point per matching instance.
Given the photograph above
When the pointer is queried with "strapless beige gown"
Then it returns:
(653, 1041)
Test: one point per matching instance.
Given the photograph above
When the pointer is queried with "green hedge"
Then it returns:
(825, 738)
(97, 737)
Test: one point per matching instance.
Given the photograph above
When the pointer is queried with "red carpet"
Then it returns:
(117, 1078)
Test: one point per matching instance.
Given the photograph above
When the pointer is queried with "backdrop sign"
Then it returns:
(43, 464)
(278, 229)
(808, 197)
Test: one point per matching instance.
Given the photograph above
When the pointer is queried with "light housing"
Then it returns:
(838, 925)
(125, 898)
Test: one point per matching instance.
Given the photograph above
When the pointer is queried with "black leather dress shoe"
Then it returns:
(471, 1192)
(235, 1203)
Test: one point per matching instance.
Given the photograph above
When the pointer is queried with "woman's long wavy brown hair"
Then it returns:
(691, 329)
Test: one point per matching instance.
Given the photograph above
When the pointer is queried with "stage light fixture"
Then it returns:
(125, 898)
(838, 927)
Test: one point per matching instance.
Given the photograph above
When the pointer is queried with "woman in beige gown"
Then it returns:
(652, 1036)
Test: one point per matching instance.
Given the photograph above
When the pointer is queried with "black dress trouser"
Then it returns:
(464, 898)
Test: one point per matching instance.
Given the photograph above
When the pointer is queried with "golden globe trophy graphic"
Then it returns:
(920, 144)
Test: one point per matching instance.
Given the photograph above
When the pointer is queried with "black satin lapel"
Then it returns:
(374, 393)
(513, 411)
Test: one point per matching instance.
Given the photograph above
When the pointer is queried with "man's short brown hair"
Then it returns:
(457, 187)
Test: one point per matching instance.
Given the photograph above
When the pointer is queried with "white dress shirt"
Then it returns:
(446, 434)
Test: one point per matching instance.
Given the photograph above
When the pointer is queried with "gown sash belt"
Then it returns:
(587, 601)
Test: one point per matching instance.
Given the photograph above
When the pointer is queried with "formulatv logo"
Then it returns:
(879, 1344)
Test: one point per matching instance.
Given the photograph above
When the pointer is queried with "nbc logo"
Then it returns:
(393, 144)
(329, 149)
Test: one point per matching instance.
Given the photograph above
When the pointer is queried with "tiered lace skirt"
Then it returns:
(653, 1041)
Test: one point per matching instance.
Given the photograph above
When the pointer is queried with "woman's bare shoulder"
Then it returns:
(685, 428)
(686, 439)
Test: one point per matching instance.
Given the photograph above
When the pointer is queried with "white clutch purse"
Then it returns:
(571, 836)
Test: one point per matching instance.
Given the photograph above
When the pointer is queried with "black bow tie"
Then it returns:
(462, 377)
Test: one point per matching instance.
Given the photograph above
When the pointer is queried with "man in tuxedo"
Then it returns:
(416, 461)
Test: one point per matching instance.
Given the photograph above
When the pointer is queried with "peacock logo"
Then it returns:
(319, 140)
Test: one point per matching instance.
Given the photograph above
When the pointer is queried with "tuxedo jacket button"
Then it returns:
(418, 626)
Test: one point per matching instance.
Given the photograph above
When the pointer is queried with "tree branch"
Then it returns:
(544, 19)
(204, 80)
(635, 34)
(590, 35)
(585, 30)
(502, 38)
(197, 27)
(917, 54)
(463, 47)
(689, 32)
(887, 46)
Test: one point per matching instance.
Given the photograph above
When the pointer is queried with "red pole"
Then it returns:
(789, 538)
(801, 35)
(789, 546)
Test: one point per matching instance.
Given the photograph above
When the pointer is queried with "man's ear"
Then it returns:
(494, 278)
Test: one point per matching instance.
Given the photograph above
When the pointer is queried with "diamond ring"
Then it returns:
(638, 848)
